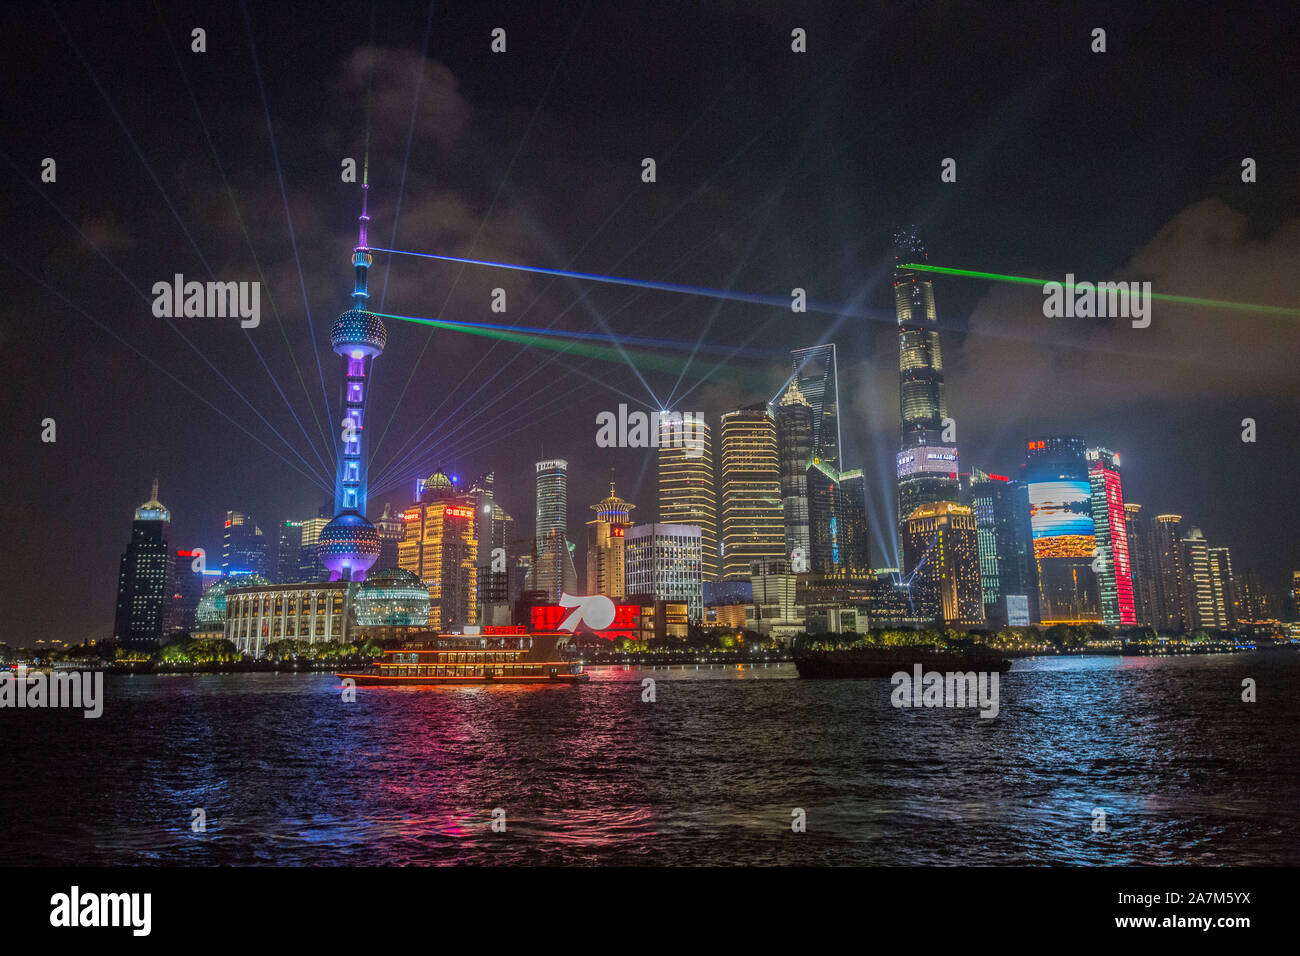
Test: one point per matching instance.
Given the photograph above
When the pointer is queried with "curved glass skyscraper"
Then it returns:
(927, 466)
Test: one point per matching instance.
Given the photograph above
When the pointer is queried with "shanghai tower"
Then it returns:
(927, 464)
(349, 545)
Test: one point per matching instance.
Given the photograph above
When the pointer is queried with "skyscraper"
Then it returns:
(440, 546)
(1006, 549)
(816, 379)
(244, 548)
(795, 443)
(927, 464)
(309, 565)
(1065, 541)
(1253, 603)
(837, 520)
(498, 552)
(145, 577)
(1173, 613)
(1200, 587)
(752, 525)
(663, 561)
(1141, 562)
(553, 570)
(349, 545)
(687, 494)
(190, 578)
(606, 541)
(288, 552)
(1222, 588)
(774, 609)
(1115, 572)
(941, 558)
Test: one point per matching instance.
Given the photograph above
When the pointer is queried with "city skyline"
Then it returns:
(1206, 233)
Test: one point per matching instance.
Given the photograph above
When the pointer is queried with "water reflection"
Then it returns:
(709, 773)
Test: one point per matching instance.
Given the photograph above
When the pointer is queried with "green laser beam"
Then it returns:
(653, 361)
(1162, 296)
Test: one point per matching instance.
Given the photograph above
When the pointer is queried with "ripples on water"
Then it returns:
(708, 774)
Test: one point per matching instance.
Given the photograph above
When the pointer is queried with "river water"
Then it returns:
(710, 772)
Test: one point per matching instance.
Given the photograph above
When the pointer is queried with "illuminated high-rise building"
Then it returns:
(553, 570)
(309, 564)
(816, 379)
(774, 609)
(837, 520)
(606, 541)
(1173, 610)
(1060, 519)
(1006, 549)
(927, 465)
(753, 528)
(440, 547)
(687, 493)
(244, 548)
(190, 578)
(498, 552)
(145, 578)
(288, 552)
(1253, 603)
(1115, 574)
(795, 442)
(942, 562)
(349, 545)
(1200, 602)
(664, 562)
(1141, 562)
(1221, 587)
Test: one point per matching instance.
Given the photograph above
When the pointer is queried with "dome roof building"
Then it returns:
(211, 613)
(392, 597)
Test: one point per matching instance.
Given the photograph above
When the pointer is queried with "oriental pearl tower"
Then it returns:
(349, 545)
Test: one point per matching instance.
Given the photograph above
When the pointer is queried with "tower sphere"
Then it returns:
(348, 547)
(357, 331)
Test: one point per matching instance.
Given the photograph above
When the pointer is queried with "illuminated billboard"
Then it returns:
(928, 460)
(1060, 508)
(627, 620)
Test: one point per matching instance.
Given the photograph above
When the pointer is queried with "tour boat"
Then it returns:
(482, 658)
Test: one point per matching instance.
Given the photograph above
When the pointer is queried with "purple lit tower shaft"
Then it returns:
(349, 545)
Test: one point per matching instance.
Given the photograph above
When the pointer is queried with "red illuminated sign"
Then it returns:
(616, 532)
(627, 617)
(999, 477)
(459, 512)
(411, 516)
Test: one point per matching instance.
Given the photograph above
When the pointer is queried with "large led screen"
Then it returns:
(1059, 508)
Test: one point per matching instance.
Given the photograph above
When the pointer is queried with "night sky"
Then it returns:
(774, 170)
